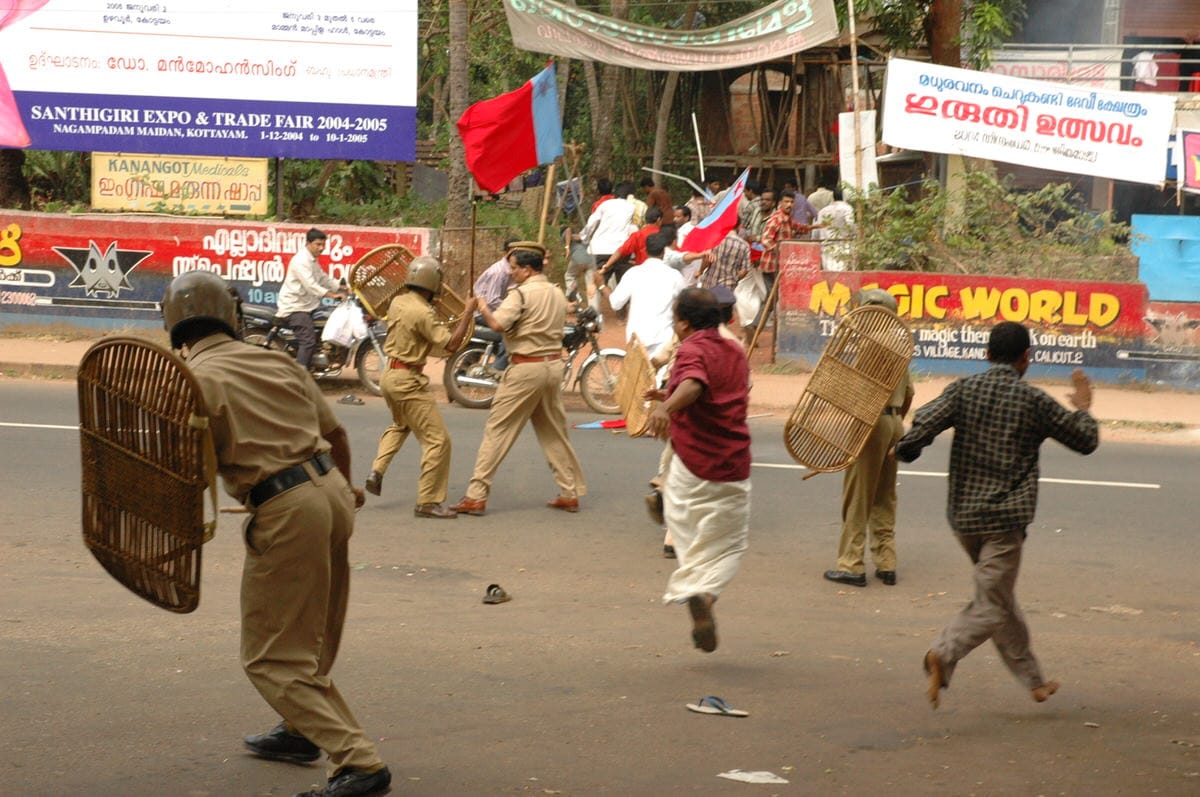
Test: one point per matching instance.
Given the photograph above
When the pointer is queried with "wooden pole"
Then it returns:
(549, 186)
(471, 265)
(859, 188)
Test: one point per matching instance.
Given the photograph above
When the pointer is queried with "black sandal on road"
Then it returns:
(496, 594)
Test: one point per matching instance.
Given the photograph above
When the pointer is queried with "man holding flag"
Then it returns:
(513, 133)
(724, 217)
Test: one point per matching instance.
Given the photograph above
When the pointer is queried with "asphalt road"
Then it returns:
(578, 686)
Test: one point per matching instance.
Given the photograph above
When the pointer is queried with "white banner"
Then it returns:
(1093, 68)
(1114, 134)
(866, 142)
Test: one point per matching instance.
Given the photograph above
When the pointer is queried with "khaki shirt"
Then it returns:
(413, 332)
(533, 314)
(265, 412)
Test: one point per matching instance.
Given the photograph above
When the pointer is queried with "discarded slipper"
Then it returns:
(350, 398)
(715, 705)
(496, 594)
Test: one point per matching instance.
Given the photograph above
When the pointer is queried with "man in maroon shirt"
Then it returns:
(706, 495)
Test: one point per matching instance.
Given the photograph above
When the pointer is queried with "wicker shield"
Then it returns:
(378, 277)
(636, 377)
(147, 459)
(863, 362)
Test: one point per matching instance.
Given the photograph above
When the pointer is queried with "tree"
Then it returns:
(14, 189)
(667, 101)
(948, 28)
(458, 202)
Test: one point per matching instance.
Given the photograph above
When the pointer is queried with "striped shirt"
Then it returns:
(730, 258)
(999, 424)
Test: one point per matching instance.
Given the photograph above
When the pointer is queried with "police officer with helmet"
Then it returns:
(413, 334)
(282, 453)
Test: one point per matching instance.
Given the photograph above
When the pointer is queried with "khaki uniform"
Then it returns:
(266, 415)
(869, 491)
(412, 335)
(533, 314)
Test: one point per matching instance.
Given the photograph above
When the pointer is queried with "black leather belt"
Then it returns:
(891, 410)
(288, 478)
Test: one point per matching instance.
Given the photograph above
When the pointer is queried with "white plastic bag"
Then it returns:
(345, 325)
(750, 293)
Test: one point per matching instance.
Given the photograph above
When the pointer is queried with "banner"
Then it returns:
(778, 29)
(179, 184)
(847, 160)
(1114, 134)
(1187, 160)
(211, 77)
(1092, 68)
(1106, 328)
(111, 272)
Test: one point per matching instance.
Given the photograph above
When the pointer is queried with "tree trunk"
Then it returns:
(662, 124)
(602, 127)
(944, 31)
(14, 188)
(458, 203)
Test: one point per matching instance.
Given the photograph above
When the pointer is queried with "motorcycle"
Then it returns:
(261, 327)
(471, 377)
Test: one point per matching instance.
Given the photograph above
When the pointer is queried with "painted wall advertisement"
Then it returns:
(211, 77)
(1115, 134)
(111, 272)
(1110, 329)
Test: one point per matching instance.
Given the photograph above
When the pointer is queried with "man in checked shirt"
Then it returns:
(999, 424)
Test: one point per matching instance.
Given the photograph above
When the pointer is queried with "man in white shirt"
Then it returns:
(649, 290)
(683, 223)
(607, 228)
(302, 291)
(835, 229)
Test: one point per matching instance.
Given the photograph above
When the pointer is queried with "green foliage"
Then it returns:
(904, 24)
(991, 228)
(58, 180)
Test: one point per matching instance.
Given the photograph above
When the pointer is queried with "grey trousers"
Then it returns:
(993, 612)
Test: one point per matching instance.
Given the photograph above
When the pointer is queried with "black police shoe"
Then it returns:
(842, 577)
(354, 783)
(280, 744)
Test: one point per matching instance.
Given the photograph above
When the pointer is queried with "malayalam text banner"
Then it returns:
(1093, 67)
(213, 77)
(179, 184)
(1114, 134)
(777, 29)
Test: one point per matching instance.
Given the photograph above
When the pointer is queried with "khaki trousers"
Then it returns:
(295, 587)
(993, 612)
(528, 392)
(869, 500)
(414, 409)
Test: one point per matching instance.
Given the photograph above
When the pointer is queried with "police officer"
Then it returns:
(414, 332)
(531, 317)
(869, 486)
(284, 456)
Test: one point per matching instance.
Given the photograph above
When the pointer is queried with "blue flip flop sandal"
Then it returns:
(715, 705)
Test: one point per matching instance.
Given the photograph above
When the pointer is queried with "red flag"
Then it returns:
(717, 224)
(512, 133)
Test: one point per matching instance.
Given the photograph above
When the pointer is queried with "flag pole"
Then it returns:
(474, 216)
(549, 183)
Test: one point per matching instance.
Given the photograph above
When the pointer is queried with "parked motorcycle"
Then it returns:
(471, 377)
(261, 327)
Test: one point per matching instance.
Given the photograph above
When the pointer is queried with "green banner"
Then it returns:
(778, 29)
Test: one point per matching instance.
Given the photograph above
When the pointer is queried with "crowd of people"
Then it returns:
(287, 460)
